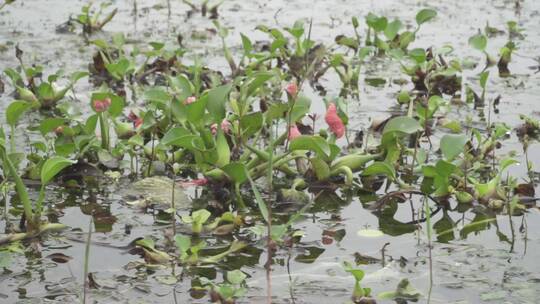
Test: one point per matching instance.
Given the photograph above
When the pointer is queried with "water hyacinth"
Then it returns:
(334, 121)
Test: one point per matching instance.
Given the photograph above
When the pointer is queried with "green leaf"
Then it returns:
(376, 23)
(301, 108)
(181, 84)
(195, 111)
(236, 172)
(392, 29)
(380, 168)
(478, 41)
(311, 142)
(251, 124)
(452, 145)
(45, 91)
(53, 166)
(223, 150)
(246, 43)
(201, 216)
(49, 124)
(174, 135)
(425, 15)
(217, 98)
(236, 277)
(483, 79)
(419, 55)
(183, 243)
(321, 168)
(402, 124)
(15, 110)
(157, 94)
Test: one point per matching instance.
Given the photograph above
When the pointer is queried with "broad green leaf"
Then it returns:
(157, 94)
(236, 172)
(195, 111)
(15, 110)
(452, 145)
(45, 91)
(392, 29)
(478, 41)
(49, 124)
(236, 277)
(402, 124)
(53, 166)
(311, 142)
(251, 123)
(425, 15)
(380, 168)
(201, 215)
(174, 135)
(217, 98)
(419, 55)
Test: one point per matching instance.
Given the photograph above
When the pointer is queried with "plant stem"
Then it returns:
(428, 225)
(86, 258)
(173, 207)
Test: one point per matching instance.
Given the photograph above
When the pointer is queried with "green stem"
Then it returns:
(104, 128)
(19, 185)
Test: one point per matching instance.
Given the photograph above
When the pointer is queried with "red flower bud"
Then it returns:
(292, 89)
(334, 121)
(102, 105)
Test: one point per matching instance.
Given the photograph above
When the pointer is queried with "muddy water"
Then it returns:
(493, 260)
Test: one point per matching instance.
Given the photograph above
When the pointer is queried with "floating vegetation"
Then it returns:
(255, 169)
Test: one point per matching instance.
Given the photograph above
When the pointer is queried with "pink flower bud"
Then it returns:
(292, 89)
(101, 105)
(213, 129)
(294, 132)
(225, 126)
(190, 100)
(334, 121)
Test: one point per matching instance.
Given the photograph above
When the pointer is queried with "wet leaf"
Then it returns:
(59, 257)
(369, 233)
